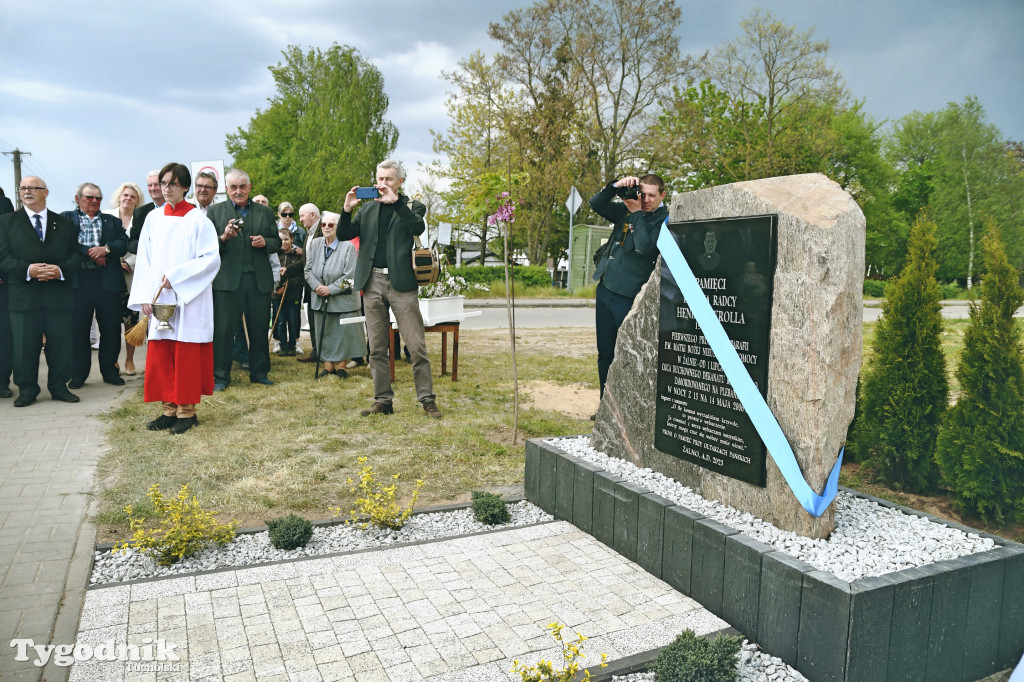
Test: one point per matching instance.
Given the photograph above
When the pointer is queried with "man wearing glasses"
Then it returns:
(242, 288)
(206, 190)
(98, 286)
(39, 253)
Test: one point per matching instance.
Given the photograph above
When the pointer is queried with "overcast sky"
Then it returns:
(104, 92)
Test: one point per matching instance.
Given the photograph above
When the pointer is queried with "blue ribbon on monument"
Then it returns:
(746, 390)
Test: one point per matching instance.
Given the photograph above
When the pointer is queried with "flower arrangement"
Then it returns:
(449, 285)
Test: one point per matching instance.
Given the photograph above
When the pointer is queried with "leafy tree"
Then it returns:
(981, 446)
(322, 132)
(955, 163)
(905, 390)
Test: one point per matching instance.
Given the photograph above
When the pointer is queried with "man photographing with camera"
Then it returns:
(626, 261)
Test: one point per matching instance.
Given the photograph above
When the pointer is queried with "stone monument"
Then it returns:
(796, 329)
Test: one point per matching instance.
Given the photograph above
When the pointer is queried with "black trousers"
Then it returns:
(28, 327)
(6, 345)
(91, 298)
(229, 307)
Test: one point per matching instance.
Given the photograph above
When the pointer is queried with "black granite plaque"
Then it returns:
(698, 418)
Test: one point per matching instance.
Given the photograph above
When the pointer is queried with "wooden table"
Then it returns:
(444, 328)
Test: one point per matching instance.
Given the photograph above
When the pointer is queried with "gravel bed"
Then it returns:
(754, 666)
(255, 548)
(869, 539)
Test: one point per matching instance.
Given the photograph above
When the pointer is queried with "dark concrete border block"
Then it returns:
(1011, 622)
(627, 518)
(867, 654)
(677, 552)
(742, 588)
(824, 620)
(911, 615)
(531, 482)
(604, 506)
(778, 605)
(707, 581)
(546, 479)
(565, 470)
(583, 495)
(983, 610)
(948, 623)
(651, 532)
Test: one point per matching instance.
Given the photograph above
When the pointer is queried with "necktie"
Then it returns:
(39, 226)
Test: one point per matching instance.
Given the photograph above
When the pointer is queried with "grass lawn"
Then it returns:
(262, 452)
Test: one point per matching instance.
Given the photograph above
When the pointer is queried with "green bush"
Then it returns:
(905, 390)
(696, 659)
(981, 445)
(489, 508)
(950, 291)
(874, 288)
(522, 275)
(289, 532)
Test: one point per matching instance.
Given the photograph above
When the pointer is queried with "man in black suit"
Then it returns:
(5, 318)
(385, 228)
(39, 255)
(98, 288)
(248, 233)
(139, 215)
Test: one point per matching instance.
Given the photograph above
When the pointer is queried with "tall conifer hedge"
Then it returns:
(905, 391)
(981, 445)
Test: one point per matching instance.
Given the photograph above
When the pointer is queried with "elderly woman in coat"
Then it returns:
(330, 268)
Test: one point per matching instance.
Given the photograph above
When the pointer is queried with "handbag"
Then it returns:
(425, 263)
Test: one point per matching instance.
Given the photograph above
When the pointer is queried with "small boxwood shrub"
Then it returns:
(695, 659)
(490, 508)
(290, 532)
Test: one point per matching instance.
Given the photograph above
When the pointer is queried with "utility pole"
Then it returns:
(16, 157)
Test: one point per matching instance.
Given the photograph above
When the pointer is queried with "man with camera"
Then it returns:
(626, 260)
(385, 227)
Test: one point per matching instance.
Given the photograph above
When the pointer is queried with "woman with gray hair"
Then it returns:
(330, 269)
(123, 203)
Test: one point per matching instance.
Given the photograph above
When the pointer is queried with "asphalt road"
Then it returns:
(493, 317)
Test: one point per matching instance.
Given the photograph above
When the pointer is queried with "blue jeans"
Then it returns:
(610, 310)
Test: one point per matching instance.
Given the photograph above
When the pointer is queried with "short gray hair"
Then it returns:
(237, 172)
(78, 192)
(391, 163)
(310, 207)
(209, 175)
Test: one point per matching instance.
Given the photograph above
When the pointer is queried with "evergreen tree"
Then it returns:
(981, 446)
(905, 389)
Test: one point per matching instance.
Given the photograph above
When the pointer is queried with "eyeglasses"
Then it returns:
(92, 197)
(205, 188)
(31, 189)
(287, 214)
(168, 185)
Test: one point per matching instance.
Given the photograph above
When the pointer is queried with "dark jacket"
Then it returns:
(406, 221)
(112, 235)
(628, 260)
(294, 265)
(20, 247)
(260, 222)
(138, 220)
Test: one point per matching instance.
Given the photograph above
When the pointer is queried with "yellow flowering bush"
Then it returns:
(572, 653)
(376, 502)
(183, 529)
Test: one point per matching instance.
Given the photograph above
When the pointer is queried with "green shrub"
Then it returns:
(695, 659)
(378, 503)
(572, 656)
(981, 445)
(950, 291)
(289, 532)
(522, 275)
(904, 389)
(490, 508)
(184, 528)
(874, 288)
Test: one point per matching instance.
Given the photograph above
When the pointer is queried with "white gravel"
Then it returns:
(869, 539)
(255, 548)
(754, 666)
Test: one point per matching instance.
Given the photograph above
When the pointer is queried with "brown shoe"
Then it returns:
(378, 408)
(307, 358)
(431, 409)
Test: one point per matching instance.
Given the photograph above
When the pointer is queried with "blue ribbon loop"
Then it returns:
(744, 387)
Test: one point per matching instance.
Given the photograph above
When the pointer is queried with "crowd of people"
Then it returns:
(231, 270)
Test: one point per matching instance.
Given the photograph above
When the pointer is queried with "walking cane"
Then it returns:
(273, 325)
